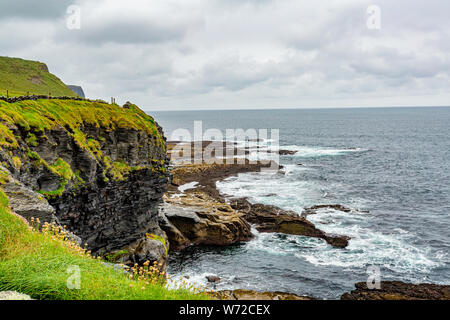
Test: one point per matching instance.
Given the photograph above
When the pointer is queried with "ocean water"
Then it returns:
(390, 165)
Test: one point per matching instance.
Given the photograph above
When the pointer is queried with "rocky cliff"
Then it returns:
(77, 89)
(99, 169)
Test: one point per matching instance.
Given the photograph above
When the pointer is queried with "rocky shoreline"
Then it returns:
(108, 180)
(197, 214)
(203, 193)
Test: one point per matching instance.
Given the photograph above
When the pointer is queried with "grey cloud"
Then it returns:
(42, 9)
(103, 23)
(124, 32)
(239, 53)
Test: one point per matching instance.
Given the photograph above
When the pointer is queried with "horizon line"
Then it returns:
(291, 108)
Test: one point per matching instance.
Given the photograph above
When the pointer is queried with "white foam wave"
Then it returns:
(272, 190)
(274, 244)
(367, 246)
(310, 152)
(187, 186)
(392, 250)
(194, 279)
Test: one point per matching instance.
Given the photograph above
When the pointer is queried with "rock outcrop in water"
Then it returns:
(98, 169)
(265, 218)
(197, 219)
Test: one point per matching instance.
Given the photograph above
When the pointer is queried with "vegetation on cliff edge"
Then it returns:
(35, 118)
(42, 115)
(37, 264)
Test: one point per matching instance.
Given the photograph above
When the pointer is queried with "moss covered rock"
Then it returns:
(102, 167)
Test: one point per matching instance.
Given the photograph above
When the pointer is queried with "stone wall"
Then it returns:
(38, 97)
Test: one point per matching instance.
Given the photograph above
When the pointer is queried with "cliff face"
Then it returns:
(77, 89)
(101, 167)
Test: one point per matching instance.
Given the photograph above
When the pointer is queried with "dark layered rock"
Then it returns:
(337, 207)
(212, 279)
(142, 250)
(397, 290)
(109, 213)
(197, 219)
(113, 214)
(77, 89)
(240, 294)
(267, 218)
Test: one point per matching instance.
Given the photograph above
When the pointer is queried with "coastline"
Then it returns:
(194, 186)
(194, 214)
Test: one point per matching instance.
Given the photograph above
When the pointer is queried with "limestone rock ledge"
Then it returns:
(264, 218)
(197, 219)
(24, 201)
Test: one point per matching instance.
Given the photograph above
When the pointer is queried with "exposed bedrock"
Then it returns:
(113, 214)
(267, 218)
(26, 202)
(77, 89)
(240, 294)
(102, 175)
(197, 219)
(397, 290)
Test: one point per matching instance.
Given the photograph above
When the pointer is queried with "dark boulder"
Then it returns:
(268, 218)
(212, 279)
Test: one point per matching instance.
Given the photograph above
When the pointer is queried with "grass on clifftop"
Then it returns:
(38, 117)
(37, 264)
(21, 76)
(41, 115)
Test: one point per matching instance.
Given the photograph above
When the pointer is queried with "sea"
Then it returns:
(391, 166)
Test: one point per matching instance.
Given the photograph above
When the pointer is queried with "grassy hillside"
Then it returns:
(37, 263)
(21, 76)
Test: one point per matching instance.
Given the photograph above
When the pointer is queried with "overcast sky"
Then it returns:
(205, 54)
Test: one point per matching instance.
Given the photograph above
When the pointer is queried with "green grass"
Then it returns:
(37, 117)
(41, 115)
(24, 76)
(36, 264)
(64, 171)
